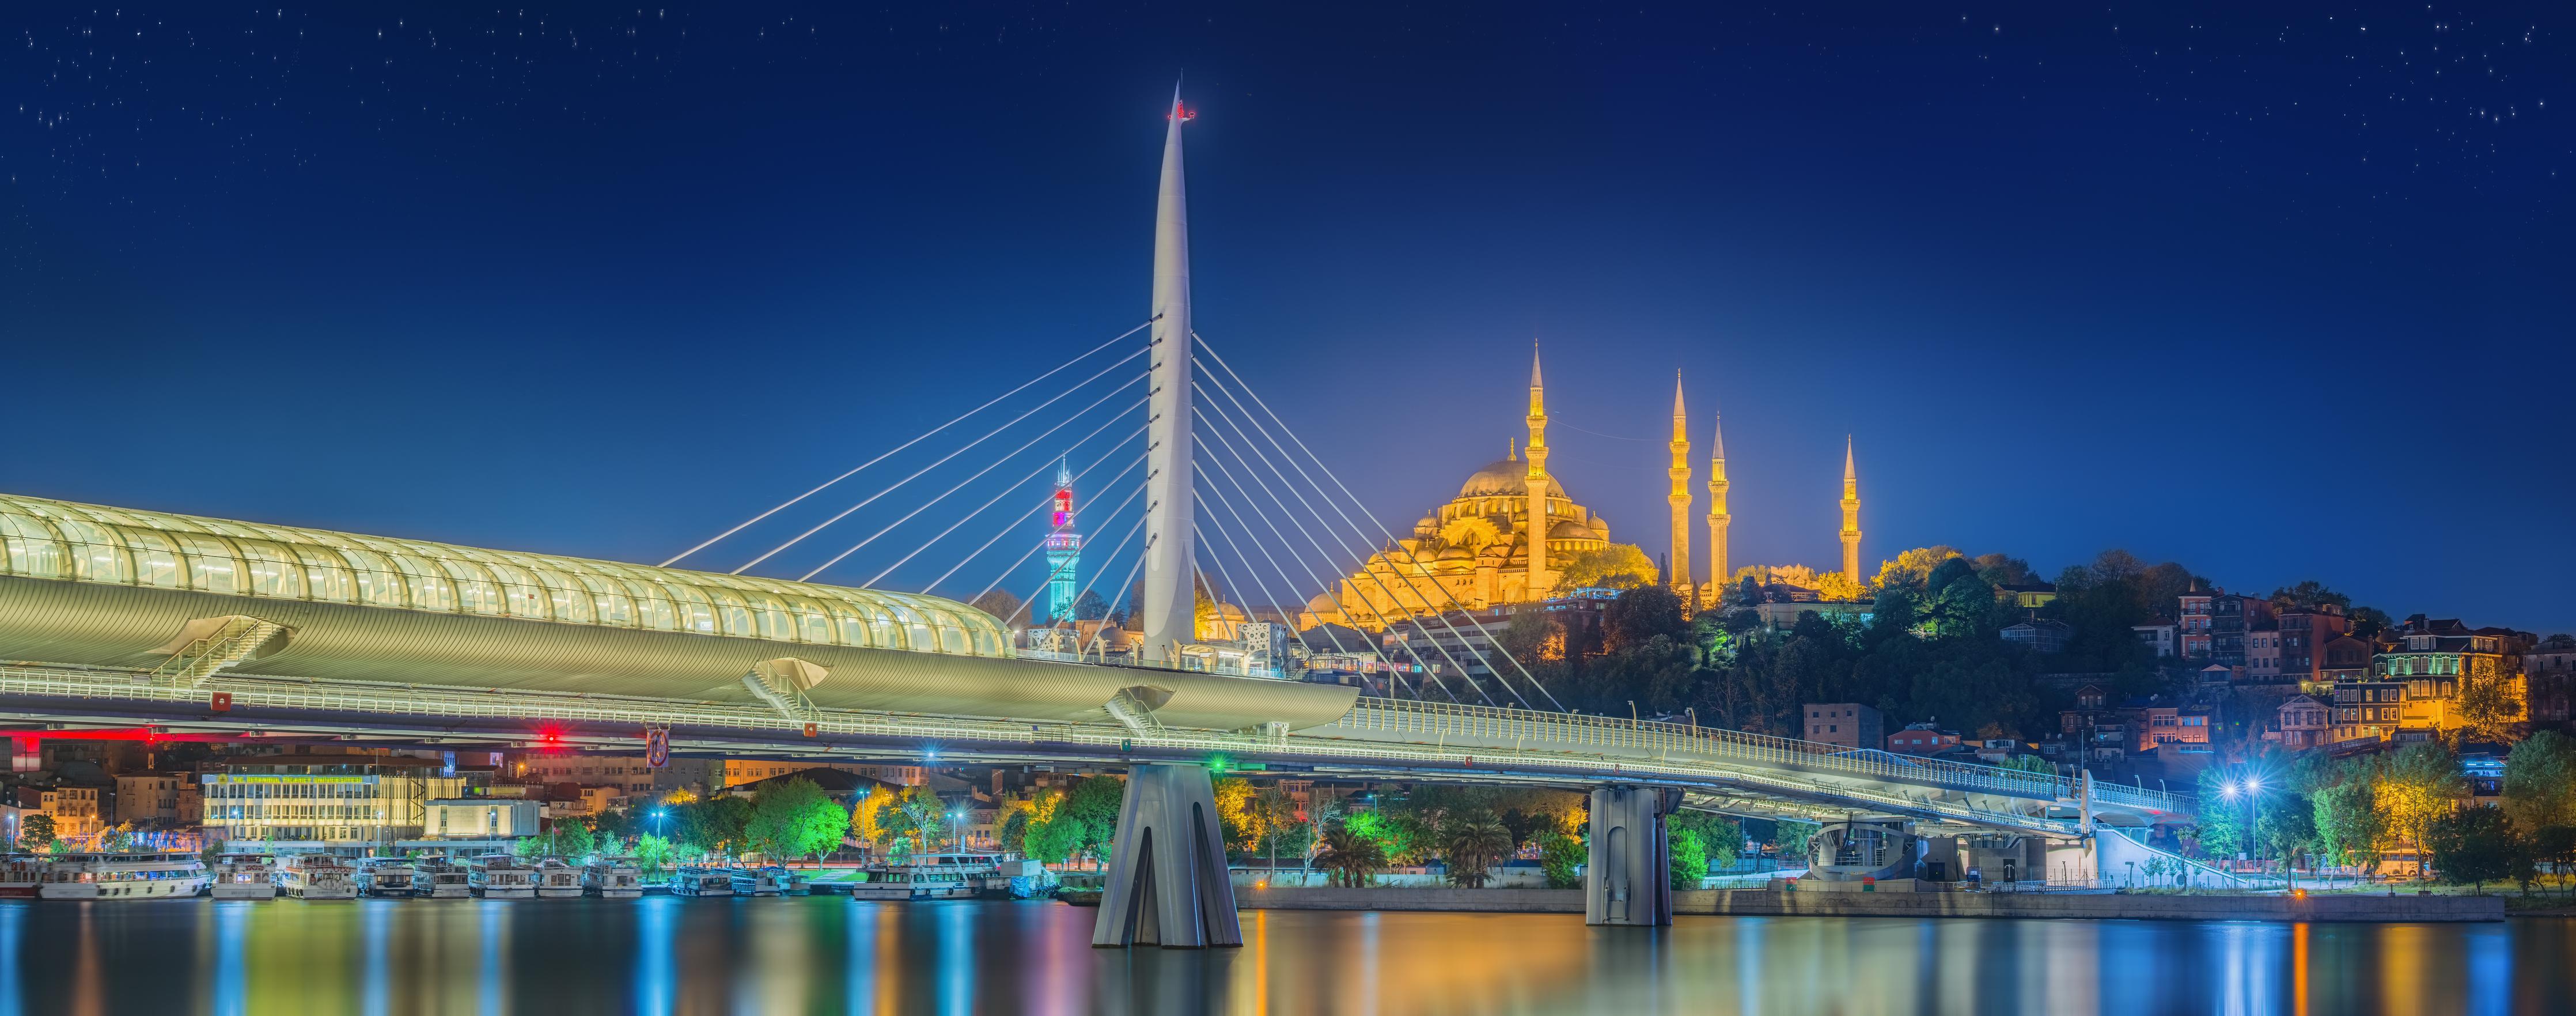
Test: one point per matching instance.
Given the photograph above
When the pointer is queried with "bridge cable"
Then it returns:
(1006, 491)
(1291, 583)
(1057, 530)
(1409, 615)
(1274, 529)
(1113, 555)
(1354, 499)
(925, 435)
(1232, 544)
(1015, 522)
(916, 474)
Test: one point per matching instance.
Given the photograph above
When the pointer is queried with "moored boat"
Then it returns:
(385, 876)
(769, 880)
(557, 880)
(245, 877)
(317, 877)
(500, 877)
(693, 880)
(615, 878)
(439, 878)
(123, 876)
(22, 875)
(928, 877)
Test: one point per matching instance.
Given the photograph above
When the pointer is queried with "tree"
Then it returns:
(1234, 818)
(529, 848)
(36, 833)
(1912, 567)
(2369, 621)
(1836, 587)
(1090, 606)
(2420, 784)
(1641, 614)
(1004, 607)
(1789, 838)
(2476, 846)
(2489, 709)
(652, 853)
(1617, 566)
(1352, 856)
(1474, 843)
(2004, 570)
(1015, 831)
(2308, 595)
(2225, 828)
(2540, 781)
(1560, 857)
(1276, 812)
(795, 818)
(2556, 845)
(1687, 864)
(569, 837)
(117, 840)
(2350, 828)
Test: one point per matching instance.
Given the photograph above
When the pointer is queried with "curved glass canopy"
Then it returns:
(157, 550)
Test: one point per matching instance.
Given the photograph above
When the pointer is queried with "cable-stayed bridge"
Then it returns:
(116, 616)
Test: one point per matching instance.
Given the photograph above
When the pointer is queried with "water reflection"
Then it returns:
(657, 955)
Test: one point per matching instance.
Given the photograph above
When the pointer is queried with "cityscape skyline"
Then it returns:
(2012, 386)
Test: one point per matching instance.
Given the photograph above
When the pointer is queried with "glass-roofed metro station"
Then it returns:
(157, 550)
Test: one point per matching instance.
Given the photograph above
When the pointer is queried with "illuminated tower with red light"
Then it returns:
(1063, 549)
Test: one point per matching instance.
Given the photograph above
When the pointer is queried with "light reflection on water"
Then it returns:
(830, 955)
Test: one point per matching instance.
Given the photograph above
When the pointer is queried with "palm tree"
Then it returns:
(1476, 842)
(1351, 857)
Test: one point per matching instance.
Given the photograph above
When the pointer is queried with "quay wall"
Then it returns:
(1765, 903)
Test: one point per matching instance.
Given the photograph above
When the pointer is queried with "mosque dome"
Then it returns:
(1503, 478)
(1454, 552)
(1568, 529)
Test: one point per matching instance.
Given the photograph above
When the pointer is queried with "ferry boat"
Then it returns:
(245, 877)
(764, 881)
(928, 877)
(614, 878)
(128, 876)
(21, 875)
(557, 880)
(439, 878)
(317, 877)
(692, 880)
(385, 876)
(500, 877)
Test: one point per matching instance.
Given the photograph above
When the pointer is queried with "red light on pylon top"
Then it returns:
(1183, 112)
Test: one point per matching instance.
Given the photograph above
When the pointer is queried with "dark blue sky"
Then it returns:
(2281, 293)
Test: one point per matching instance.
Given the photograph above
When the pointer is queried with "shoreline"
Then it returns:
(2403, 909)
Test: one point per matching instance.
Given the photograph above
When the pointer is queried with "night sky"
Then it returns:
(2280, 292)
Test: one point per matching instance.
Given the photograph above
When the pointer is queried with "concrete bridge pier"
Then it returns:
(1167, 877)
(1629, 878)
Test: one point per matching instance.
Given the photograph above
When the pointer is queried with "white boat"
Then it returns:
(127, 876)
(500, 877)
(385, 876)
(245, 877)
(764, 881)
(928, 877)
(317, 877)
(557, 880)
(22, 876)
(439, 879)
(614, 878)
(696, 881)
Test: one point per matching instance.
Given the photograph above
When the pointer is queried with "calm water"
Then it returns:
(828, 954)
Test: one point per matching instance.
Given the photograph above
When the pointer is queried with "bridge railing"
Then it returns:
(1433, 720)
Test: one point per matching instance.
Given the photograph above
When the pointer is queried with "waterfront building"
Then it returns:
(483, 818)
(2304, 634)
(2303, 722)
(346, 803)
(1849, 724)
(2432, 661)
(2158, 638)
(166, 798)
(2214, 622)
(1922, 739)
(2547, 671)
(78, 812)
(627, 774)
(2041, 635)
(2028, 595)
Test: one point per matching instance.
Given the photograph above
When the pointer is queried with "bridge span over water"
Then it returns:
(117, 616)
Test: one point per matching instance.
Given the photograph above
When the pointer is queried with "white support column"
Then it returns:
(1170, 564)
(1167, 876)
(1629, 878)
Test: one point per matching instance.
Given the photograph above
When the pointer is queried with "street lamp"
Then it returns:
(956, 830)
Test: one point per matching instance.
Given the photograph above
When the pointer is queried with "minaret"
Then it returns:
(1540, 579)
(1170, 563)
(1851, 514)
(1680, 498)
(1717, 517)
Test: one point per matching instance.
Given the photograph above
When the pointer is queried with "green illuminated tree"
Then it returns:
(2540, 781)
(36, 833)
(1352, 856)
(2475, 846)
(652, 853)
(1688, 863)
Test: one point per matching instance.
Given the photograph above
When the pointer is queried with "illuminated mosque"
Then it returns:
(1475, 551)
